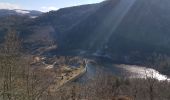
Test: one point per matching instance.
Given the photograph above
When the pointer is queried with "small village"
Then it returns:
(58, 71)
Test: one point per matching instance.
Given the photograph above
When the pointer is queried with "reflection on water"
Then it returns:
(121, 70)
(143, 72)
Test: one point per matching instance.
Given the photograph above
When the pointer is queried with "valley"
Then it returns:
(112, 50)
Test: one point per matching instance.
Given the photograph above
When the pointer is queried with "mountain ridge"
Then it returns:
(122, 29)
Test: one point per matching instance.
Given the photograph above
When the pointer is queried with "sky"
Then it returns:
(42, 5)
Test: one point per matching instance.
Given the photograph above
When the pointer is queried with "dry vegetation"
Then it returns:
(106, 87)
(20, 81)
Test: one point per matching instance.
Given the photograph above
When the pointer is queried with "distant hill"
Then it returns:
(47, 27)
(30, 13)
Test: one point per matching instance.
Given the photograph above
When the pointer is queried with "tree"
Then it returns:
(9, 55)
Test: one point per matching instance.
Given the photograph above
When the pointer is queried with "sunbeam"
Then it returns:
(111, 22)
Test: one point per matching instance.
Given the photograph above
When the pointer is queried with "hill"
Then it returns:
(125, 31)
(20, 12)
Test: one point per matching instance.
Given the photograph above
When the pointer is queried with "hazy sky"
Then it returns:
(42, 5)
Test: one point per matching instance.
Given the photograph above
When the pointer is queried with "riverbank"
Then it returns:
(66, 79)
